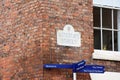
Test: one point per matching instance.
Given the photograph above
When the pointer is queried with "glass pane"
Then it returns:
(115, 41)
(96, 16)
(97, 39)
(107, 40)
(106, 18)
(115, 19)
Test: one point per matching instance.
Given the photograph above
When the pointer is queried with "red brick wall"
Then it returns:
(20, 40)
(59, 13)
(28, 38)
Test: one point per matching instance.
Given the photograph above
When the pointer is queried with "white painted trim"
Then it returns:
(105, 6)
(105, 76)
(107, 3)
(106, 55)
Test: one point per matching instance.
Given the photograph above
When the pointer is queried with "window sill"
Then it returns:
(106, 55)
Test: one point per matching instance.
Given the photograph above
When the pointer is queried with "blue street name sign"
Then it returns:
(80, 65)
(66, 66)
(92, 69)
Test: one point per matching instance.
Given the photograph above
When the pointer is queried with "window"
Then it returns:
(106, 17)
(105, 29)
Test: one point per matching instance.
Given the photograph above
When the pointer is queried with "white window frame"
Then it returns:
(108, 29)
(103, 54)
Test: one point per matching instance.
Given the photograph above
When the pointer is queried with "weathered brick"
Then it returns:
(28, 38)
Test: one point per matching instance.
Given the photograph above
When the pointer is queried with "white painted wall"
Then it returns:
(113, 3)
(105, 76)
